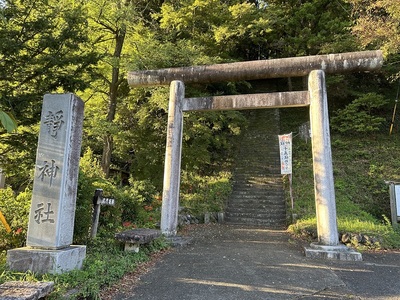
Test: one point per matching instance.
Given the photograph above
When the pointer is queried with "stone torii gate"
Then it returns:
(316, 98)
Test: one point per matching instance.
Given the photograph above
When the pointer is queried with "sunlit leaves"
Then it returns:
(226, 29)
(43, 49)
(377, 24)
(361, 115)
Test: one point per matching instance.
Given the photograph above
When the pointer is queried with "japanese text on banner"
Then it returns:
(285, 149)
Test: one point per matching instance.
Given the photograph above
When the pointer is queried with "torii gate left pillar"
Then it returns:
(172, 167)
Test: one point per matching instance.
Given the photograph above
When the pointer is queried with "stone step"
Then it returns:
(252, 220)
(257, 203)
(260, 184)
(268, 223)
(255, 207)
(256, 198)
(243, 187)
(260, 214)
(240, 202)
(242, 190)
(257, 162)
(277, 215)
(265, 176)
(257, 213)
(251, 199)
(249, 169)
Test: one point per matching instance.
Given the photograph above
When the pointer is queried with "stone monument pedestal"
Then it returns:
(46, 261)
(340, 252)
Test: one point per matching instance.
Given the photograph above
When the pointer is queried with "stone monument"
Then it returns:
(51, 221)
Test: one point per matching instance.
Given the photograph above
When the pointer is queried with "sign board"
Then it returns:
(98, 199)
(285, 149)
(106, 201)
(394, 189)
(397, 196)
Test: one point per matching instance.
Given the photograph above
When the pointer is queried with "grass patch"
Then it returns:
(104, 265)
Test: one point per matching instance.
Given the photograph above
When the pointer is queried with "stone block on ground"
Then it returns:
(135, 237)
(24, 290)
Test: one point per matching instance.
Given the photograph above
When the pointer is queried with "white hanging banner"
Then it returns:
(285, 149)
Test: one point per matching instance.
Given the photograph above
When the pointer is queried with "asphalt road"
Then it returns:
(249, 263)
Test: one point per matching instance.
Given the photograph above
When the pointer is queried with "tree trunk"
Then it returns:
(112, 100)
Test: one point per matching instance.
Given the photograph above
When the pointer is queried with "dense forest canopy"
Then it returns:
(87, 47)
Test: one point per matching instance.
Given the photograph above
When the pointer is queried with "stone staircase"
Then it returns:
(258, 196)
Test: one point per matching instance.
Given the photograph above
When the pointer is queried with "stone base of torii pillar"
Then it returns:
(340, 252)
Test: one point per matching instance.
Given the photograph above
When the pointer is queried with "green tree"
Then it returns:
(228, 30)
(111, 24)
(135, 135)
(43, 48)
(377, 24)
(310, 27)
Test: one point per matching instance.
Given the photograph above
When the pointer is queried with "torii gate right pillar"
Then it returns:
(328, 239)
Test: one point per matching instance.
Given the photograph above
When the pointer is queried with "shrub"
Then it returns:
(201, 194)
(16, 211)
(360, 115)
(141, 204)
(135, 205)
(90, 178)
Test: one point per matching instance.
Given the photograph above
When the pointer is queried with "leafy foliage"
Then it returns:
(360, 116)
(15, 210)
(377, 24)
(202, 194)
(43, 48)
(132, 205)
(309, 27)
(8, 121)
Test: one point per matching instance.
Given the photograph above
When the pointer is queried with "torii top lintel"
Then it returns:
(261, 69)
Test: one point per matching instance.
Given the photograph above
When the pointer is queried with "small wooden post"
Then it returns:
(96, 212)
(98, 200)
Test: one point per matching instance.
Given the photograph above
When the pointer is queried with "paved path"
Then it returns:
(248, 263)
